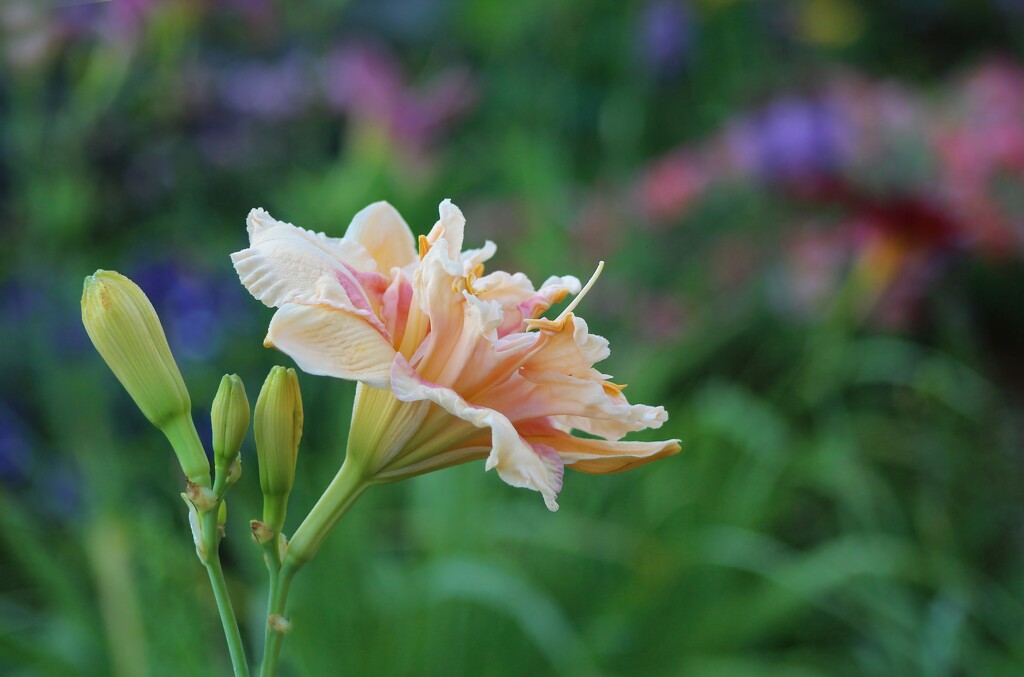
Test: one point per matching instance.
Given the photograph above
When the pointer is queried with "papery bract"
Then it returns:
(453, 364)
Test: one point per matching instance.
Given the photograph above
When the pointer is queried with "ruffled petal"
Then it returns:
(284, 261)
(578, 403)
(385, 236)
(474, 258)
(440, 302)
(463, 349)
(519, 300)
(450, 227)
(597, 457)
(328, 341)
(558, 380)
(518, 463)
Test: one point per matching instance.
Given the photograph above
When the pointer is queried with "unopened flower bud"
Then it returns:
(222, 518)
(230, 417)
(126, 331)
(278, 428)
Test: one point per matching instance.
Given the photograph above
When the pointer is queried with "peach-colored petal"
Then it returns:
(450, 227)
(580, 404)
(344, 290)
(328, 341)
(519, 300)
(395, 306)
(284, 262)
(517, 462)
(599, 457)
(472, 259)
(463, 346)
(441, 304)
(382, 231)
(558, 380)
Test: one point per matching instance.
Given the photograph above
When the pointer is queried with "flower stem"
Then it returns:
(339, 496)
(280, 581)
(220, 594)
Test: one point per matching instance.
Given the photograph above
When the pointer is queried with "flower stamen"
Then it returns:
(613, 389)
(559, 322)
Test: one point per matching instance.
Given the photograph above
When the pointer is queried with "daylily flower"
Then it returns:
(453, 365)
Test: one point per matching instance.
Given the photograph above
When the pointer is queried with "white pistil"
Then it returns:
(559, 321)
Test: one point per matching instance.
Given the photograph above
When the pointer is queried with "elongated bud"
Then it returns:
(230, 417)
(126, 331)
(222, 518)
(278, 428)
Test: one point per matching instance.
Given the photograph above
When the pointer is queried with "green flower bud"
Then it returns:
(126, 331)
(278, 429)
(222, 518)
(230, 417)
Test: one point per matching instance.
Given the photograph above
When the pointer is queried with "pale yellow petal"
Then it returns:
(328, 341)
(284, 262)
(451, 227)
(385, 236)
(472, 259)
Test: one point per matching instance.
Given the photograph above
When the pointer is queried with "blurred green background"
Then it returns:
(813, 217)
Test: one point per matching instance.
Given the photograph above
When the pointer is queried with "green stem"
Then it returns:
(271, 639)
(339, 496)
(280, 582)
(211, 545)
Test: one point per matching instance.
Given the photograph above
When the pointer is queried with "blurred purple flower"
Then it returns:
(127, 18)
(77, 20)
(665, 36)
(231, 144)
(196, 309)
(367, 83)
(20, 300)
(272, 91)
(68, 335)
(792, 139)
(16, 453)
(119, 20)
(33, 305)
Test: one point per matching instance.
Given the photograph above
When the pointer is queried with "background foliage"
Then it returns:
(812, 216)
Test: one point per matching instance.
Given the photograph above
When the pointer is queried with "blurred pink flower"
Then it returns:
(367, 83)
(815, 259)
(668, 187)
